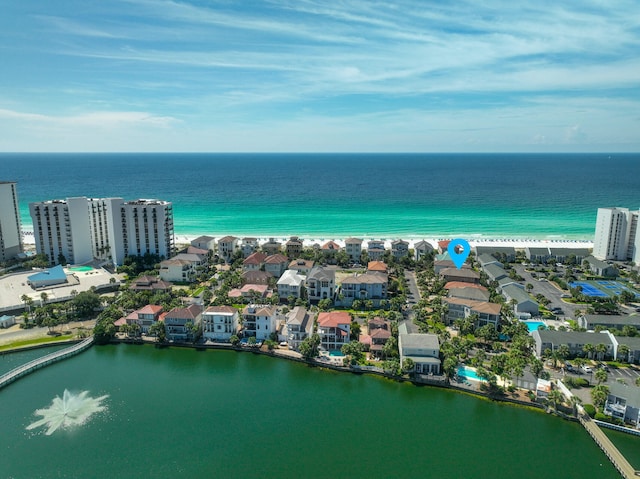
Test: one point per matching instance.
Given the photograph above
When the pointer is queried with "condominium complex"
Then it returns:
(10, 233)
(78, 230)
(617, 235)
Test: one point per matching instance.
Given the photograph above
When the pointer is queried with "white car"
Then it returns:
(587, 369)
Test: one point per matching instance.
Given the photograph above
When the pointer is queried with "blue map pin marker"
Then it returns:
(459, 250)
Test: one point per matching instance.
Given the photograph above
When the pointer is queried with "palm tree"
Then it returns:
(601, 376)
(555, 396)
(623, 352)
(589, 349)
(601, 349)
(575, 401)
(43, 298)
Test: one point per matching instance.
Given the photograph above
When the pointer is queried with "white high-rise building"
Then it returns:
(10, 232)
(617, 235)
(109, 229)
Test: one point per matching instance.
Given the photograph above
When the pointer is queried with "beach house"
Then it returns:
(375, 250)
(258, 321)
(367, 286)
(248, 246)
(271, 246)
(293, 247)
(484, 311)
(601, 268)
(144, 317)
(276, 264)
(334, 329)
(299, 326)
(353, 248)
(227, 247)
(321, 284)
(204, 242)
(575, 340)
(254, 262)
(177, 322)
(399, 249)
(422, 249)
(219, 323)
(523, 304)
(290, 284)
(422, 349)
(623, 402)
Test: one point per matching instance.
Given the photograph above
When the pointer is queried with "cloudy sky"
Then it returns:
(325, 75)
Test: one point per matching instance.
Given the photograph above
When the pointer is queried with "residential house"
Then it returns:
(259, 321)
(633, 343)
(299, 326)
(443, 246)
(257, 277)
(460, 289)
(523, 304)
(293, 247)
(272, 247)
(321, 284)
(227, 247)
(422, 249)
(144, 317)
(574, 340)
(204, 242)
(422, 349)
(250, 292)
(178, 270)
(177, 321)
(377, 267)
(150, 283)
(276, 264)
(494, 272)
(507, 281)
(254, 261)
(601, 268)
(302, 266)
(623, 402)
(537, 254)
(484, 259)
(375, 250)
(399, 249)
(203, 253)
(613, 321)
(249, 246)
(565, 255)
(353, 248)
(503, 253)
(464, 275)
(329, 251)
(290, 284)
(442, 264)
(334, 328)
(379, 332)
(219, 323)
(487, 313)
(367, 286)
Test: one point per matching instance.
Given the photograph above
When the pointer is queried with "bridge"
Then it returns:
(611, 451)
(31, 366)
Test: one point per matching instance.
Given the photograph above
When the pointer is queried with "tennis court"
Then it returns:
(614, 287)
(589, 289)
(602, 288)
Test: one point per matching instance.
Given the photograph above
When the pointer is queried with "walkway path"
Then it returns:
(617, 459)
(31, 366)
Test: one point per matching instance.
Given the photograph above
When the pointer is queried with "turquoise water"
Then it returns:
(338, 195)
(9, 361)
(533, 325)
(336, 352)
(200, 414)
(468, 373)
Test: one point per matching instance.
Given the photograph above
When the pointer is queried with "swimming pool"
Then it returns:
(336, 353)
(534, 325)
(81, 269)
(468, 373)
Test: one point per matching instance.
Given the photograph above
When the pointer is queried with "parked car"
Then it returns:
(587, 369)
(603, 366)
(569, 367)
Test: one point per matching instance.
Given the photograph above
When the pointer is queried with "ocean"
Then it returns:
(409, 196)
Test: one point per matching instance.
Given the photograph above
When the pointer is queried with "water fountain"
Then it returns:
(70, 410)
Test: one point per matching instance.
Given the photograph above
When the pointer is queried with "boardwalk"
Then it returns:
(616, 458)
(31, 366)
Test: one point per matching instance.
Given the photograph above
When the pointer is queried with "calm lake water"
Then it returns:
(187, 413)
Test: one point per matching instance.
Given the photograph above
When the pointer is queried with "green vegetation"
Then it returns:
(35, 341)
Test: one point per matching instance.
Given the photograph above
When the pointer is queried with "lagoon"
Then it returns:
(186, 413)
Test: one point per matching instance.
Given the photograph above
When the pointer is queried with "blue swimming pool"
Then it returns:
(534, 325)
(468, 373)
(335, 352)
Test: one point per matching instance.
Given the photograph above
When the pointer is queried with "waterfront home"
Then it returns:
(257, 277)
(494, 272)
(290, 284)
(503, 253)
(276, 264)
(523, 304)
(204, 242)
(608, 321)
(178, 270)
(574, 340)
(375, 250)
(379, 332)
(321, 284)
(459, 308)
(623, 402)
(293, 247)
(249, 292)
(601, 268)
(203, 253)
(272, 246)
(353, 248)
(178, 320)
(248, 246)
(219, 323)
(302, 266)
(144, 317)
(399, 249)
(329, 251)
(464, 275)
(422, 249)
(367, 286)
(485, 259)
(443, 246)
(537, 254)
(299, 326)
(150, 283)
(254, 262)
(227, 246)
(565, 255)
(259, 321)
(334, 328)
(460, 289)
(422, 349)
(446, 263)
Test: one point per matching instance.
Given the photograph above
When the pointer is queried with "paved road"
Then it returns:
(550, 291)
(413, 297)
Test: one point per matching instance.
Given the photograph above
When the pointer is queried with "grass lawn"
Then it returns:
(31, 342)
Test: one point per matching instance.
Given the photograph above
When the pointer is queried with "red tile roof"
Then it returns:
(333, 318)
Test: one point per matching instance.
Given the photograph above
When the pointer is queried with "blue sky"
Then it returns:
(304, 75)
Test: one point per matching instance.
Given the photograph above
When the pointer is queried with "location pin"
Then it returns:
(459, 250)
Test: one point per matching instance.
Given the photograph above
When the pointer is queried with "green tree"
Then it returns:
(408, 365)
(623, 352)
(599, 395)
(601, 376)
(85, 303)
(555, 397)
(309, 346)
(234, 340)
(158, 330)
(589, 349)
(354, 352)
(601, 349)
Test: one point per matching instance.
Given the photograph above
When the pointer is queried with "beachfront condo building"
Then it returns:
(10, 232)
(79, 230)
(617, 236)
